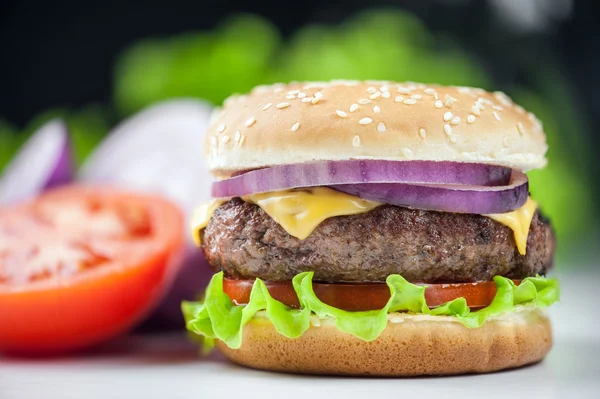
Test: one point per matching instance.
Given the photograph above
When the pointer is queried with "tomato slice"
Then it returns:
(79, 265)
(368, 296)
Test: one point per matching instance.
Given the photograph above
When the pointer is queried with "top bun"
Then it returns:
(339, 120)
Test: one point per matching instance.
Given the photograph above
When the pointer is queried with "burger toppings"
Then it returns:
(422, 246)
(359, 297)
(299, 212)
(337, 173)
(218, 317)
(441, 186)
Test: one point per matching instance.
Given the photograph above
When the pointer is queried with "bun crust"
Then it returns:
(302, 122)
(411, 347)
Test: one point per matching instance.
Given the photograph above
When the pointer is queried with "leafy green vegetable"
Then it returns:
(217, 317)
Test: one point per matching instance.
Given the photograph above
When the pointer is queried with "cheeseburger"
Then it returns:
(374, 228)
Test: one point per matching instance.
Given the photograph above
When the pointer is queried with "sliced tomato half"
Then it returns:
(79, 265)
(359, 297)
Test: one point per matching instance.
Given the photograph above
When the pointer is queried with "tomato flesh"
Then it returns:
(360, 297)
(79, 265)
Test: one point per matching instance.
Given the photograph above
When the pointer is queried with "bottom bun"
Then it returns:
(409, 346)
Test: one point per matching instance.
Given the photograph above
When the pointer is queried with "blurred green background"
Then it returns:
(245, 50)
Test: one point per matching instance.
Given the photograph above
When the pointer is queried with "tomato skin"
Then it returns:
(60, 315)
(361, 297)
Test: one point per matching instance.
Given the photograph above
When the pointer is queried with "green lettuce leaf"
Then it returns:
(217, 317)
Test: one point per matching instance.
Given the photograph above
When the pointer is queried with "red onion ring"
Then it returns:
(43, 162)
(446, 198)
(353, 172)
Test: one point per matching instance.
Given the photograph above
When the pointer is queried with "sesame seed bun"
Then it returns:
(302, 122)
(410, 345)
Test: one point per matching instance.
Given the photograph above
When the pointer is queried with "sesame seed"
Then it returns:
(503, 98)
(455, 120)
(315, 100)
(447, 129)
(250, 122)
(496, 116)
(364, 101)
(282, 105)
(407, 153)
(447, 116)
(506, 141)
(290, 97)
(301, 94)
(381, 127)
(453, 139)
(399, 99)
(242, 139)
(356, 141)
(319, 94)
(479, 105)
(375, 95)
(237, 135)
(353, 107)
(384, 89)
(422, 133)
(476, 110)
(296, 126)
(386, 94)
(429, 91)
(438, 104)
(520, 128)
(519, 109)
(261, 89)
(416, 96)
(225, 139)
(365, 121)
(471, 119)
(402, 90)
(267, 106)
(371, 90)
(307, 99)
(376, 109)
(221, 128)
(341, 113)
(213, 141)
(293, 92)
(497, 107)
(410, 101)
(449, 100)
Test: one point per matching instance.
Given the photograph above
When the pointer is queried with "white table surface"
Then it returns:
(167, 366)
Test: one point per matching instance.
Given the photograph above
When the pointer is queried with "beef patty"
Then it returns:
(422, 246)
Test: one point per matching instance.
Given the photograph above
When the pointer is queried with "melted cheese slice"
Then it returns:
(299, 212)
(202, 215)
(519, 222)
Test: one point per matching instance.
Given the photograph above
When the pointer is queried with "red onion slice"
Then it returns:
(445, 198)
(44, 161)
(330, 173)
